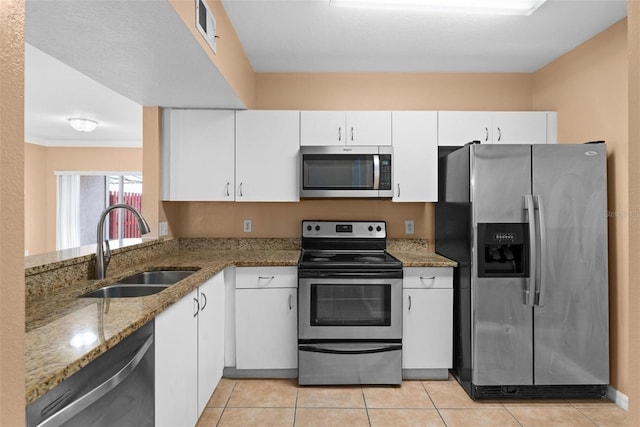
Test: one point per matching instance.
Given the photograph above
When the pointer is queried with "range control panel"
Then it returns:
(344, 229)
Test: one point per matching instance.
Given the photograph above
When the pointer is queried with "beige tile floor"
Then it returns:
(415, 403)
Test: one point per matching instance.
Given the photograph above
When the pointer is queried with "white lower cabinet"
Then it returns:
(211, 325)
(266, 318)
(427, 330)
(189, 354)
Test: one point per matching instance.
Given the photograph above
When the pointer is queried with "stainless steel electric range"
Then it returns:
(350, 305)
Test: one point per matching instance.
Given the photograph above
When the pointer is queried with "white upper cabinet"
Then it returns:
(519, 127)
(415, 156)
(267, 147)
(198, 153)
(460, 127)
(497, 127)
(345, 128)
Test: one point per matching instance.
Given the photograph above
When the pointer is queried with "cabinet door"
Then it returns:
(459, 127)
(176, 361)
(267, 147)
(322, 128)
(199, 155)
(368, 128)
(266, 328)
(415, 156)
(427, 335)
(211, 323)
(520, 127)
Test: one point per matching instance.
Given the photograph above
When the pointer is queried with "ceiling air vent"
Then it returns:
(206, 23)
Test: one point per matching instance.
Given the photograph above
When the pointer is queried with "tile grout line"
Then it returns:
(224, 408)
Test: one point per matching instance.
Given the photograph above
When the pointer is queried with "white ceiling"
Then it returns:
(121, 54)
(312, 36)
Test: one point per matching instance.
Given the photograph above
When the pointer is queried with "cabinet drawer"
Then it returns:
(428, 278)
(266, 277)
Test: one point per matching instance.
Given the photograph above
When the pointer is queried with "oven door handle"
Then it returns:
(315, 274)
(364, 348)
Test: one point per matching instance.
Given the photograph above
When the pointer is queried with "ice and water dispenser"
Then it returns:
(503, 250)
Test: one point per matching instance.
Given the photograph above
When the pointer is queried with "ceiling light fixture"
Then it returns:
(485, 7)
(83, 125)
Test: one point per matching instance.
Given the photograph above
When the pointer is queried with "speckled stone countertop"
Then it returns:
(54, 319)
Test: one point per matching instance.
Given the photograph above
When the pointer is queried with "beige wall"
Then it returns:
(40, 165)
(633, 297)
(12, 213)
(393, 91)
(35, 198)
(152, 208)
(588, 87)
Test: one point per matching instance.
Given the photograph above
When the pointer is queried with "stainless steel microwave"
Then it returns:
(346, 171)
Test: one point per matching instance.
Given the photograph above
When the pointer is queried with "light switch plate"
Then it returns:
(408, 226)
(247, 226)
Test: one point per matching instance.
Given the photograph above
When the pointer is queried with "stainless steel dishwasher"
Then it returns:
(116, 389)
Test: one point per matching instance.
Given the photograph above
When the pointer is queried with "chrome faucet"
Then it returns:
(103, 256)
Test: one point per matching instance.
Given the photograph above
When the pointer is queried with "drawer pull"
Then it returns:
(266, 277)
(428, 278)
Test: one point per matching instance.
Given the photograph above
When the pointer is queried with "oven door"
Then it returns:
(340, 307)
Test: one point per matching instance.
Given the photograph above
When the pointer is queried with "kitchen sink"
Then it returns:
(156, 277)
(140, 284)
(125, 291)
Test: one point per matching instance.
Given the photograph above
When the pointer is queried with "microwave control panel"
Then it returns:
(385, 172)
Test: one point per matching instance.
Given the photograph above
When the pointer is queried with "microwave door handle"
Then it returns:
(376, 171)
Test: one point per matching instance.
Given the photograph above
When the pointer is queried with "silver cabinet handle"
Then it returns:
(428, 278)
(543, 253)
(227, 189)
(533, 247)
(196, 306)
(290, 301)
(339, 133)
(499, 134)
(351, 133)
(78, 405)
(486, 134)
(266, 277)
(204, 304)
(409, 302)
(240, 190)
(398, 190)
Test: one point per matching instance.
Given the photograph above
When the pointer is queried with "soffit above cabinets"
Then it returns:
(312, 36)
(139, 49)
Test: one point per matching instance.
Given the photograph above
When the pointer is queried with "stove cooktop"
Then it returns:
(327, 259)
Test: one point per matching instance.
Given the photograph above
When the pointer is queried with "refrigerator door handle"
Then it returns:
(541, 285)
(529, 293)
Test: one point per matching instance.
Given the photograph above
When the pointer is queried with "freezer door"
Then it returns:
(571, 339)
(502, 330)
(502, 325)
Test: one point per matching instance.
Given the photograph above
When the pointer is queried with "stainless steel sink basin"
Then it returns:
(157, 277)
(125, 291)
(140, 284)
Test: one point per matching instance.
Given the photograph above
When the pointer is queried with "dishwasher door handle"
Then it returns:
(78, 405)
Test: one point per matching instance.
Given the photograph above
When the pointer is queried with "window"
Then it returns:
(83, 196)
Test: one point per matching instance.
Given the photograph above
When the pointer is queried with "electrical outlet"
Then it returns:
(408, 226)
(163, 228)
(247, 226)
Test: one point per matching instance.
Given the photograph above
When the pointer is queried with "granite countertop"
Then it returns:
(54, 321)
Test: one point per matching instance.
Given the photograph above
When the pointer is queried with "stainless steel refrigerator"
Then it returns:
(528, 227)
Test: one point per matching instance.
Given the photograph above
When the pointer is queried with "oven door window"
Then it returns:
(338, 172)
(350, 305)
